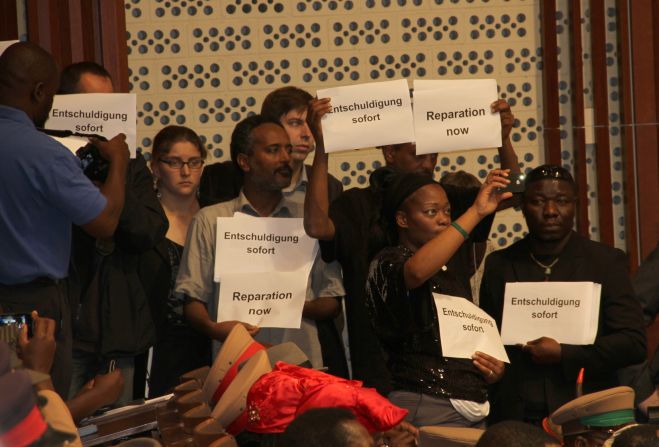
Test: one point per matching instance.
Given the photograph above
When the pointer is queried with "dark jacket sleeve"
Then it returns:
(621, 336)
(143, 222)
(491, 292)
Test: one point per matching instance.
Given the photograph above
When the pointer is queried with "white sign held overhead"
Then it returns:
(105, 114)
(568, 312)
(464, 328)
(273, 299)
(455, 115)
(261, 244)
(367, 115)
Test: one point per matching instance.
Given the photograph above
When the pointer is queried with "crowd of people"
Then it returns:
(120, 271)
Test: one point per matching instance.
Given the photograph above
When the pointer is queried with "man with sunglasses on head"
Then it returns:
(542, 373)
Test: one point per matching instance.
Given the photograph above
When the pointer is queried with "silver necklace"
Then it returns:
(546, 267)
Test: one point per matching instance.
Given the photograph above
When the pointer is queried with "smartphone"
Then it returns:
(517, 183)
(17, 320)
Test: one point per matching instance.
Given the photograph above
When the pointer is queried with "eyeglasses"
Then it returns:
(177, 163)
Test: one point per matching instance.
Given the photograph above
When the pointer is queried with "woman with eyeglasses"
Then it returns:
(177, 161)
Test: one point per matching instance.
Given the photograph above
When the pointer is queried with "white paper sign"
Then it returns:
(273, 299)
(4, 44)
(72, 143)
(455, 115)
(568, 312)
(367, 115)
(106, 114)
(464, 328)
(262, 244)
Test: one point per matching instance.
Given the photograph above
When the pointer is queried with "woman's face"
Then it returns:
(182, 180)
(424, 215)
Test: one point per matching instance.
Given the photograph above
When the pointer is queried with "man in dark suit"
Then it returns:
(542, 373)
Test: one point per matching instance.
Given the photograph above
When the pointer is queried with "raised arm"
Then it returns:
(317, 222)
(507, 156)
(434, 254)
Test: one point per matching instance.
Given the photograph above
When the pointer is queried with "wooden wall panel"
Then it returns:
(551, 120)
(8, 20)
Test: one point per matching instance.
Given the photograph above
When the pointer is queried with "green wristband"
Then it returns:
(460, 230)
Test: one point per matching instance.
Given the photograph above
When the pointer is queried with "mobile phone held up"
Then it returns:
(17, 320)
(517, 183)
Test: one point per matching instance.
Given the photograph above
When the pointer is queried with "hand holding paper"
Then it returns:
(491, 368)
(543, 351)
(317, 109)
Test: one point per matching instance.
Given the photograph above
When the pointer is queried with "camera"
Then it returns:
(14, 323)
(93, 164)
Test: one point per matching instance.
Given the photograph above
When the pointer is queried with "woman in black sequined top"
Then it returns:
(437, 390)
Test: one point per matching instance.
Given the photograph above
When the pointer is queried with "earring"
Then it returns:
(155, 187)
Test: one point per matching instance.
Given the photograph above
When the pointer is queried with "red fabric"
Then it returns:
(281, 395)
(252, 349)
(29, 430)
(239, 424)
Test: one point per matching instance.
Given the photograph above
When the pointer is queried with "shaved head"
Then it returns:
(28, 80)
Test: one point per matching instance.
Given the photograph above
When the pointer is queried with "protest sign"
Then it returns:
(4, 44)
(367, 115)
(261, 244)
(568, 312)
(105, 114)
(464, 328)
(270, 299)
(455, 115)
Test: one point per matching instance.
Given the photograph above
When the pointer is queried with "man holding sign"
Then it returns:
(350, 230)
(543, 371)
(261, 149)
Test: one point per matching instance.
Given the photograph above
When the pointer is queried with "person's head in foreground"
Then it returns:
(549, 203)
(646, 435)
(326, 427)
(85, 77)
(516, 434)
(591, 419)
(403, 158)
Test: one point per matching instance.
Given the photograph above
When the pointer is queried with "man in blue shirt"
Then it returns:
(42, 192)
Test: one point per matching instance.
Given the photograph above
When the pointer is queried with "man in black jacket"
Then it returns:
(112, 323)
(542, 373)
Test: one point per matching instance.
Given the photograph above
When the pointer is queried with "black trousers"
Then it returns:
(50, 299)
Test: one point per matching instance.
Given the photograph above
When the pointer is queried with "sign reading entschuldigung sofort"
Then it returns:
(261, 244)
(455, 115)
(367, 115)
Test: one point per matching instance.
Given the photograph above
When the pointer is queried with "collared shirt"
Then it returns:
(42, 192)
(195, 276)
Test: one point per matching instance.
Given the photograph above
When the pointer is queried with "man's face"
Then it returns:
(302, 142)
(549, 207)
(403, 157)
(91, 83)
(268, 163)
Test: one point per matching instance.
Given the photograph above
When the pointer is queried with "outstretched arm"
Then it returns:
(317, 222)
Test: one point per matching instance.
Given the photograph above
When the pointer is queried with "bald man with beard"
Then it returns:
(42, 192)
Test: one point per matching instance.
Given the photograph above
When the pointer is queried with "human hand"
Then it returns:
(491, 368)
(38, 352)
(490, 195)
(106, 388)
(222, 330)
(317, 109)
(543, 351)
(114, 150)
(506, 116)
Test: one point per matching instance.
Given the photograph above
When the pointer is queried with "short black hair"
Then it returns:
(515, 434)
(281, 101)
(241, 138)
(71, 74)
(646, 435)
(165, 139)
(319, 427)
(550, 172)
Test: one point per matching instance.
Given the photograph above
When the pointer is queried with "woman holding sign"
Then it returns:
(177, 161)
(402, 279)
